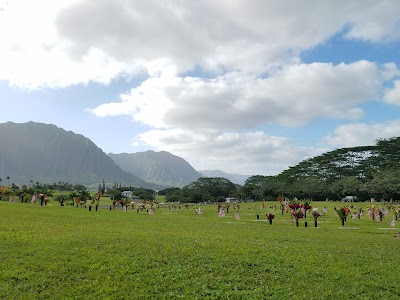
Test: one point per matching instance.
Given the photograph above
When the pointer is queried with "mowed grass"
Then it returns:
(55, 252)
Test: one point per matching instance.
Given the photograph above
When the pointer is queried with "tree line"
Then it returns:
(364, 172)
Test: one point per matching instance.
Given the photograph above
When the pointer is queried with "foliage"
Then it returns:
(365, 172)
(385, 184)
(173, 195)
(343, 211)
(205, 189)
(168, 190)
(115, 193)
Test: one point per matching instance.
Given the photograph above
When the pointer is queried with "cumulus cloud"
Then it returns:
(392, 95)
(33, 55)
(293, 95)
(237, 35)
(61, 43)
(241, 153)
(375, 21)
(362, 134)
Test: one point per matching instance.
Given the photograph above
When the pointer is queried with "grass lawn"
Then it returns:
(54, 252)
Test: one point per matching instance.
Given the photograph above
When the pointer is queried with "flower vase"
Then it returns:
(297, 222)
(342, 221)
(315, 223)
(270, 221)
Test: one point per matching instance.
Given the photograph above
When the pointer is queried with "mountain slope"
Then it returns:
(157, 167)
(234, 178)
(48, 154)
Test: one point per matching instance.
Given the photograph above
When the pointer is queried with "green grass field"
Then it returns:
(55, 252)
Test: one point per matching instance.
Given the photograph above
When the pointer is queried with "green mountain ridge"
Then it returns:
(46, 153)
(157, 167)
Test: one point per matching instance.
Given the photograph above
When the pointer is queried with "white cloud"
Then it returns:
(375, 21)
(362, 134)
(33, 55)
(236, 36)
(390, 71)
(59, 71)
(392, 95)
(61, 43)
(197, 117)
(293, 95)
(239, 153)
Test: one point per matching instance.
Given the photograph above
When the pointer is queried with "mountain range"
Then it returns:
(161, 168)
(165, 168)
(45, 153)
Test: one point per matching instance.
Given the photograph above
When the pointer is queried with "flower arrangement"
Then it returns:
(316, 214)
(295, 204)
(354, 213)
(297, 214)
(299, 209)
(396, 211)
(376, 212)
(270, 217)
(343, 212)
(306, 204)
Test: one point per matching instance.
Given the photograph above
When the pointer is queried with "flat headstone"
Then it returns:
(349, 228)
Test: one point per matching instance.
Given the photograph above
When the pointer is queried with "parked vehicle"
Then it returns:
(350, 199)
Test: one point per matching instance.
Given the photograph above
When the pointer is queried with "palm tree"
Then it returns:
(85, 198)
(72, 197)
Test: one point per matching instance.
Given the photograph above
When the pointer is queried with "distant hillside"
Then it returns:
(157, 167)
(45, 153)
(234, 178)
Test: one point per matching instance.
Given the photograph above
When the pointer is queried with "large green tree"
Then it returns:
(385, 185)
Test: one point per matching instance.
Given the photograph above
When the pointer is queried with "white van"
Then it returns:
(350, 199)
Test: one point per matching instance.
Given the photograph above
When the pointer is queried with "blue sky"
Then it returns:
(247, 87)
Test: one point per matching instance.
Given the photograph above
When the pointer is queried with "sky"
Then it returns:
(246, 87)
